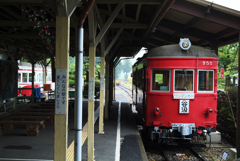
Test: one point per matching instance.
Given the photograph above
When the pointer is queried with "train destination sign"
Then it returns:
(183, 96)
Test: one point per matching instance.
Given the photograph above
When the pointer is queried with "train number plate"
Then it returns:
(184, 106)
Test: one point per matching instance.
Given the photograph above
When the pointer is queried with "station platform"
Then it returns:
(120, 141)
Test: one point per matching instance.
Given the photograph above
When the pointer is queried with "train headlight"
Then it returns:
(157, 111)
(184, 43)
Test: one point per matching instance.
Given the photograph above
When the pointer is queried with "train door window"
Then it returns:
(24, 77)
(19, 77)
(184, 79)
(160, 80)
(205, 81)
(30, 77)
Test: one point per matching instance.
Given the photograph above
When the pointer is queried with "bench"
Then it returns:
(22, 118)
(48, 121)
(32, 126)
(7, 106)
(24, 98)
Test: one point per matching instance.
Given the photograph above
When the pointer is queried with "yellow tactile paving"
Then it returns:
(70, 150)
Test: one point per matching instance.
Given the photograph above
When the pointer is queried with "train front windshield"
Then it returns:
(183, 80)
(205, 80)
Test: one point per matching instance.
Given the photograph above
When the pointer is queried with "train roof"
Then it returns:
(176, 51)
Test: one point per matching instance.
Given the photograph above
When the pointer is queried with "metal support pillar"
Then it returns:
(106, 91)
(91, 91)
(101, 131)
(62, 57)
(78, 98)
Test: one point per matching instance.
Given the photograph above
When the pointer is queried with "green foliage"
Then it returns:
(25, 60)
(129, 80)
(225, 119)
(159, 78)
(71, 82)
(71, 71)
(71, 60)
(228, 56)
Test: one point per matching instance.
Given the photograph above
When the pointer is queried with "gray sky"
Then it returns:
(233, 4)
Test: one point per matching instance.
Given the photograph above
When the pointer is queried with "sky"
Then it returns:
(233, 4)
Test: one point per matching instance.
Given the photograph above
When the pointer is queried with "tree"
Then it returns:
(228, 56)
(118, 70)
(71, 71)
(127, 67)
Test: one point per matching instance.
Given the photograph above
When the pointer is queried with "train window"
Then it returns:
(160, 80)
(30, 77)
(205, 80)
(183, 80)
(19, 77)
(24, 77)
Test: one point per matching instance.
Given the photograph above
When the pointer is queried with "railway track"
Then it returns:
(173, 152)
(127, 90)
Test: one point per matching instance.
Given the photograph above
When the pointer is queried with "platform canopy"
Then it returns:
(28, 26)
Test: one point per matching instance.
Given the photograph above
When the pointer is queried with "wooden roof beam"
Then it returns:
(167, 37)
(108, 23)
(200, 11)
(190, 31)
(113, 41)
(128, 1)
(11, 12)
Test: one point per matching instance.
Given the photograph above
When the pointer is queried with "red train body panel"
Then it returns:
(177, 89)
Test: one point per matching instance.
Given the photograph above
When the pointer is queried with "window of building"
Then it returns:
(183, 80)
(205, 80)
(161, 80)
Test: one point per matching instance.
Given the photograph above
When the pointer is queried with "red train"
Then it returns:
(25, 77)
(175, 91)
